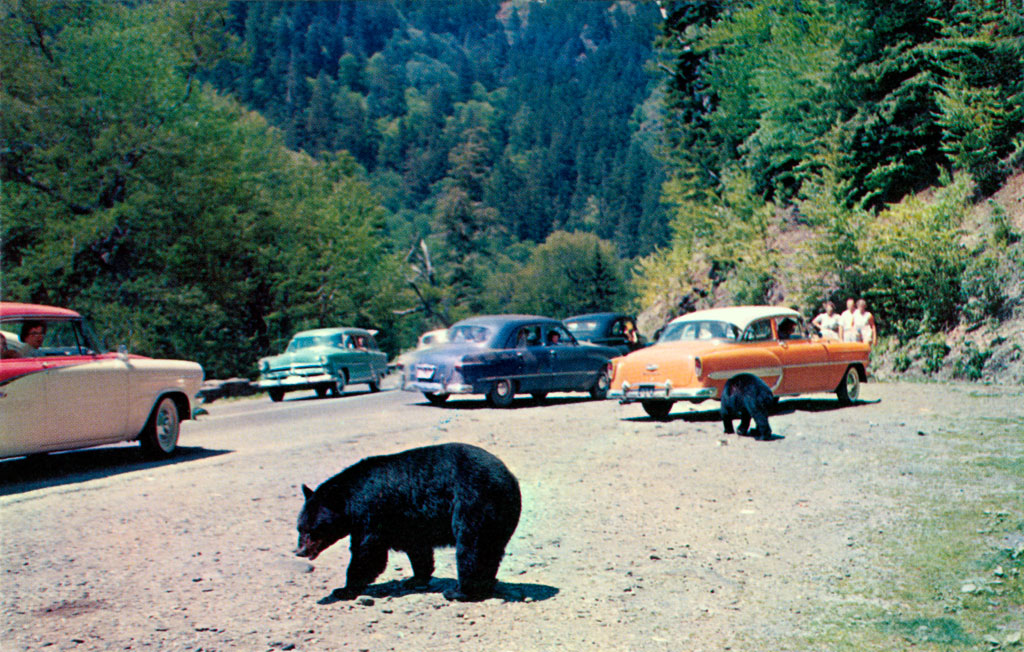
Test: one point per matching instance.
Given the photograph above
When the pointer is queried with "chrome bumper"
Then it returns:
(661, 392)
(295, 381)
(437, 388)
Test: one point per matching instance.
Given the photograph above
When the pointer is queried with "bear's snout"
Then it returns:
(308, 547)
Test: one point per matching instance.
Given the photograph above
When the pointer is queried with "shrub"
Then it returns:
(981, 289)
(971, 362)
(934, 354)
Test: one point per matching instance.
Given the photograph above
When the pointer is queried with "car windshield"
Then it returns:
(58, 337)
(686, 331)
(469, 333)
(306, 341)
(583, 328)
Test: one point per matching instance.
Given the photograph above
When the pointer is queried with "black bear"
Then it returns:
(747, 397)
(414, 501)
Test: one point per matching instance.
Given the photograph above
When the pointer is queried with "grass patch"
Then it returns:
(950, 575)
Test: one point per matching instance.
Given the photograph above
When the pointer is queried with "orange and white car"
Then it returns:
(698, 352)
(59, 390)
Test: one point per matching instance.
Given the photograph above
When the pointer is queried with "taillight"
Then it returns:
(698, 367)
(610, 369)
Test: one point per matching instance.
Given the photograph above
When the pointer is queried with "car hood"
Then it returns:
(309, 354)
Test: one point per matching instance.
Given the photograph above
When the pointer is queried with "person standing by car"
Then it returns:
(847, 331)
(864, 323)
(827, 322)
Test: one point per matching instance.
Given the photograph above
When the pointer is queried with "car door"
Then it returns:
(804, 361)
(758, 339)
(87, 393)
(528, 361)
(357, 358)
(565, 365)
(23, 407)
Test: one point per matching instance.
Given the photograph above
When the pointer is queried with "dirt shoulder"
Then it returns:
(635, 534)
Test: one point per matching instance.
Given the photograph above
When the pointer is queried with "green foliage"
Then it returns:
(933, 354)
(889, 95)
(172, 217)
(547, 93)
(1003, 233)
(982, 294)
(971, 363)
(570, 274)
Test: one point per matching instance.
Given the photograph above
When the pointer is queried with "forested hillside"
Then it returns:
(203, 179)
(825, 149)
(532, 111)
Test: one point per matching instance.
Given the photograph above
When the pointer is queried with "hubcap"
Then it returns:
(503, 388)
(852, 384)
(166, 426)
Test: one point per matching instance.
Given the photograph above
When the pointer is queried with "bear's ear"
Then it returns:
(307, 492)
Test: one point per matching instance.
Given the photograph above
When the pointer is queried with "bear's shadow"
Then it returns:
(505, 591)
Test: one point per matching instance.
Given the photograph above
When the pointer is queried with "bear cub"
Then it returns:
(414, 501)
(747, 397)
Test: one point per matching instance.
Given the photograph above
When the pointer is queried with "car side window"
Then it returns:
(557, 336)
(618, 328)
(371, 344)
(759, 331)
(790, 329)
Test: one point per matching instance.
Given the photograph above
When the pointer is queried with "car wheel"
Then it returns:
(502, 393)
(539, 396)
(160, 436)
(599, 390)
(338, 388)
(374, 383)
(849, 387)
(436, 398)
(657, 409)
(276, 395)
(322, 390)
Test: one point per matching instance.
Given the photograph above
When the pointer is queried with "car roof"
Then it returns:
(601, 316)
(739, 316)
(332, 331)
(11, 310)
(498, 321)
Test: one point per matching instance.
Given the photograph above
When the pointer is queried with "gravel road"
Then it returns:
(635, 534)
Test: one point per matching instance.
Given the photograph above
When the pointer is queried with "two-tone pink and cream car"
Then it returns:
(59, 390)
(698, 352)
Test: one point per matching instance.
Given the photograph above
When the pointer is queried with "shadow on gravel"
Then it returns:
(519, 403)
(55, 469)
(785, 406)
(506, 591)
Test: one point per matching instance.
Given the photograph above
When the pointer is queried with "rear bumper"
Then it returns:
(437, 388)
(661, 392)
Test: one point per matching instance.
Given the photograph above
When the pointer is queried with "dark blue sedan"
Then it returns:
(613, 329)
(504, 355)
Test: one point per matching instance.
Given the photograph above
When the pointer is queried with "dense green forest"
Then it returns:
(202, 179)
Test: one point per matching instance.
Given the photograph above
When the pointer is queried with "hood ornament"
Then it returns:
(652, 367)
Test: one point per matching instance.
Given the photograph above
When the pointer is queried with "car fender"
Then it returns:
(720, 366)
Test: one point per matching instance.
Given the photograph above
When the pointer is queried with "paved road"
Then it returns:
(635, 534)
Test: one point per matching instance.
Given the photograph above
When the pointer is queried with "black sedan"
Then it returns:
(613, 329)
(504, 355)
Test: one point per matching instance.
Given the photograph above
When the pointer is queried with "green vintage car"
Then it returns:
(325, 360)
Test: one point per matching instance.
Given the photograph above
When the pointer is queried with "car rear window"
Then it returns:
(469, 333)
(583, 328)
